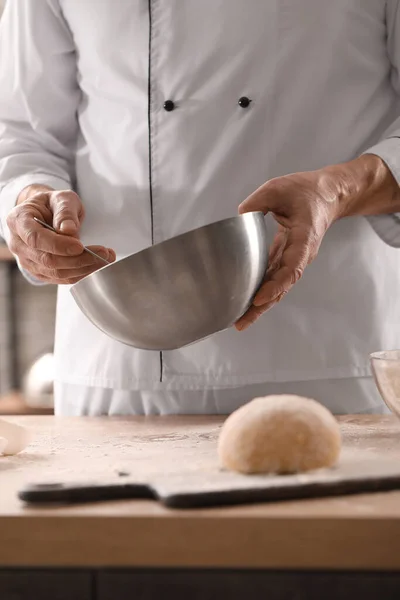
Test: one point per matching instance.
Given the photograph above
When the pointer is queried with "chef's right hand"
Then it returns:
(52, 257)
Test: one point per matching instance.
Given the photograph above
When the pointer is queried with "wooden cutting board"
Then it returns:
(174, 459)
(206, 486)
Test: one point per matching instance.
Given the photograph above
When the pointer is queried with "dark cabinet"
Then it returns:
(20, 584)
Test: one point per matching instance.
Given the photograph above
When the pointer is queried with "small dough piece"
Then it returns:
(279, 434)
(13, 438)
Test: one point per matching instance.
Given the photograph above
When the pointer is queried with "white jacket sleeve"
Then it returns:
(38, 100)
(388, 226)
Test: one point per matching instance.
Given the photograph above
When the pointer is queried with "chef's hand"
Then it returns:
(52, 257)
(304, 206)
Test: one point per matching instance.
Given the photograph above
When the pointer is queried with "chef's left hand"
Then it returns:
(304, 206)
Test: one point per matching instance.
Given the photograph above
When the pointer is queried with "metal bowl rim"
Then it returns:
(176, 237)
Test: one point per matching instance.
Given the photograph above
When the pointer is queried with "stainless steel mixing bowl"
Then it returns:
(181, 290)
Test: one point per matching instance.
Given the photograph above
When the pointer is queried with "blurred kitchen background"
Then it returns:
(27, 315)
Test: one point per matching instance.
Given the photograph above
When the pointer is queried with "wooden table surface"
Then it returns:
(353, 532)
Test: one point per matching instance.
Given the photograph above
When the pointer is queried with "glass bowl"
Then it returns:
(386, 372)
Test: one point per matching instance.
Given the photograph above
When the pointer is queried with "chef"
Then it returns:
(124, 123)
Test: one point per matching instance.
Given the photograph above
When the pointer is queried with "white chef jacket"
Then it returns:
(82, 104)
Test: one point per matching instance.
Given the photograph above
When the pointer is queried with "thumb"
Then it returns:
(257, 201)
(67, 212)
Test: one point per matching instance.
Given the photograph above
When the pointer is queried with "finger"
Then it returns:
(249, 318)
(57, 276)
(112, 256)
(65, 275)
(67, 212)
(255, 202)
(255, 313)
(262, 199)
(294, 260)
(95, 264)
(276, 250)
(252, 315)
(37, 237)
(84, 260)
(32, 268)
(52, 281)
(59, 268)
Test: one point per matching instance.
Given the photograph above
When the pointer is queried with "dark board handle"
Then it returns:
(70, 493)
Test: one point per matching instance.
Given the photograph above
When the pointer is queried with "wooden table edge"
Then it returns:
(195, 541)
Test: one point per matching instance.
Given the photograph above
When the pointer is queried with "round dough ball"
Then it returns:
(279, 434)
